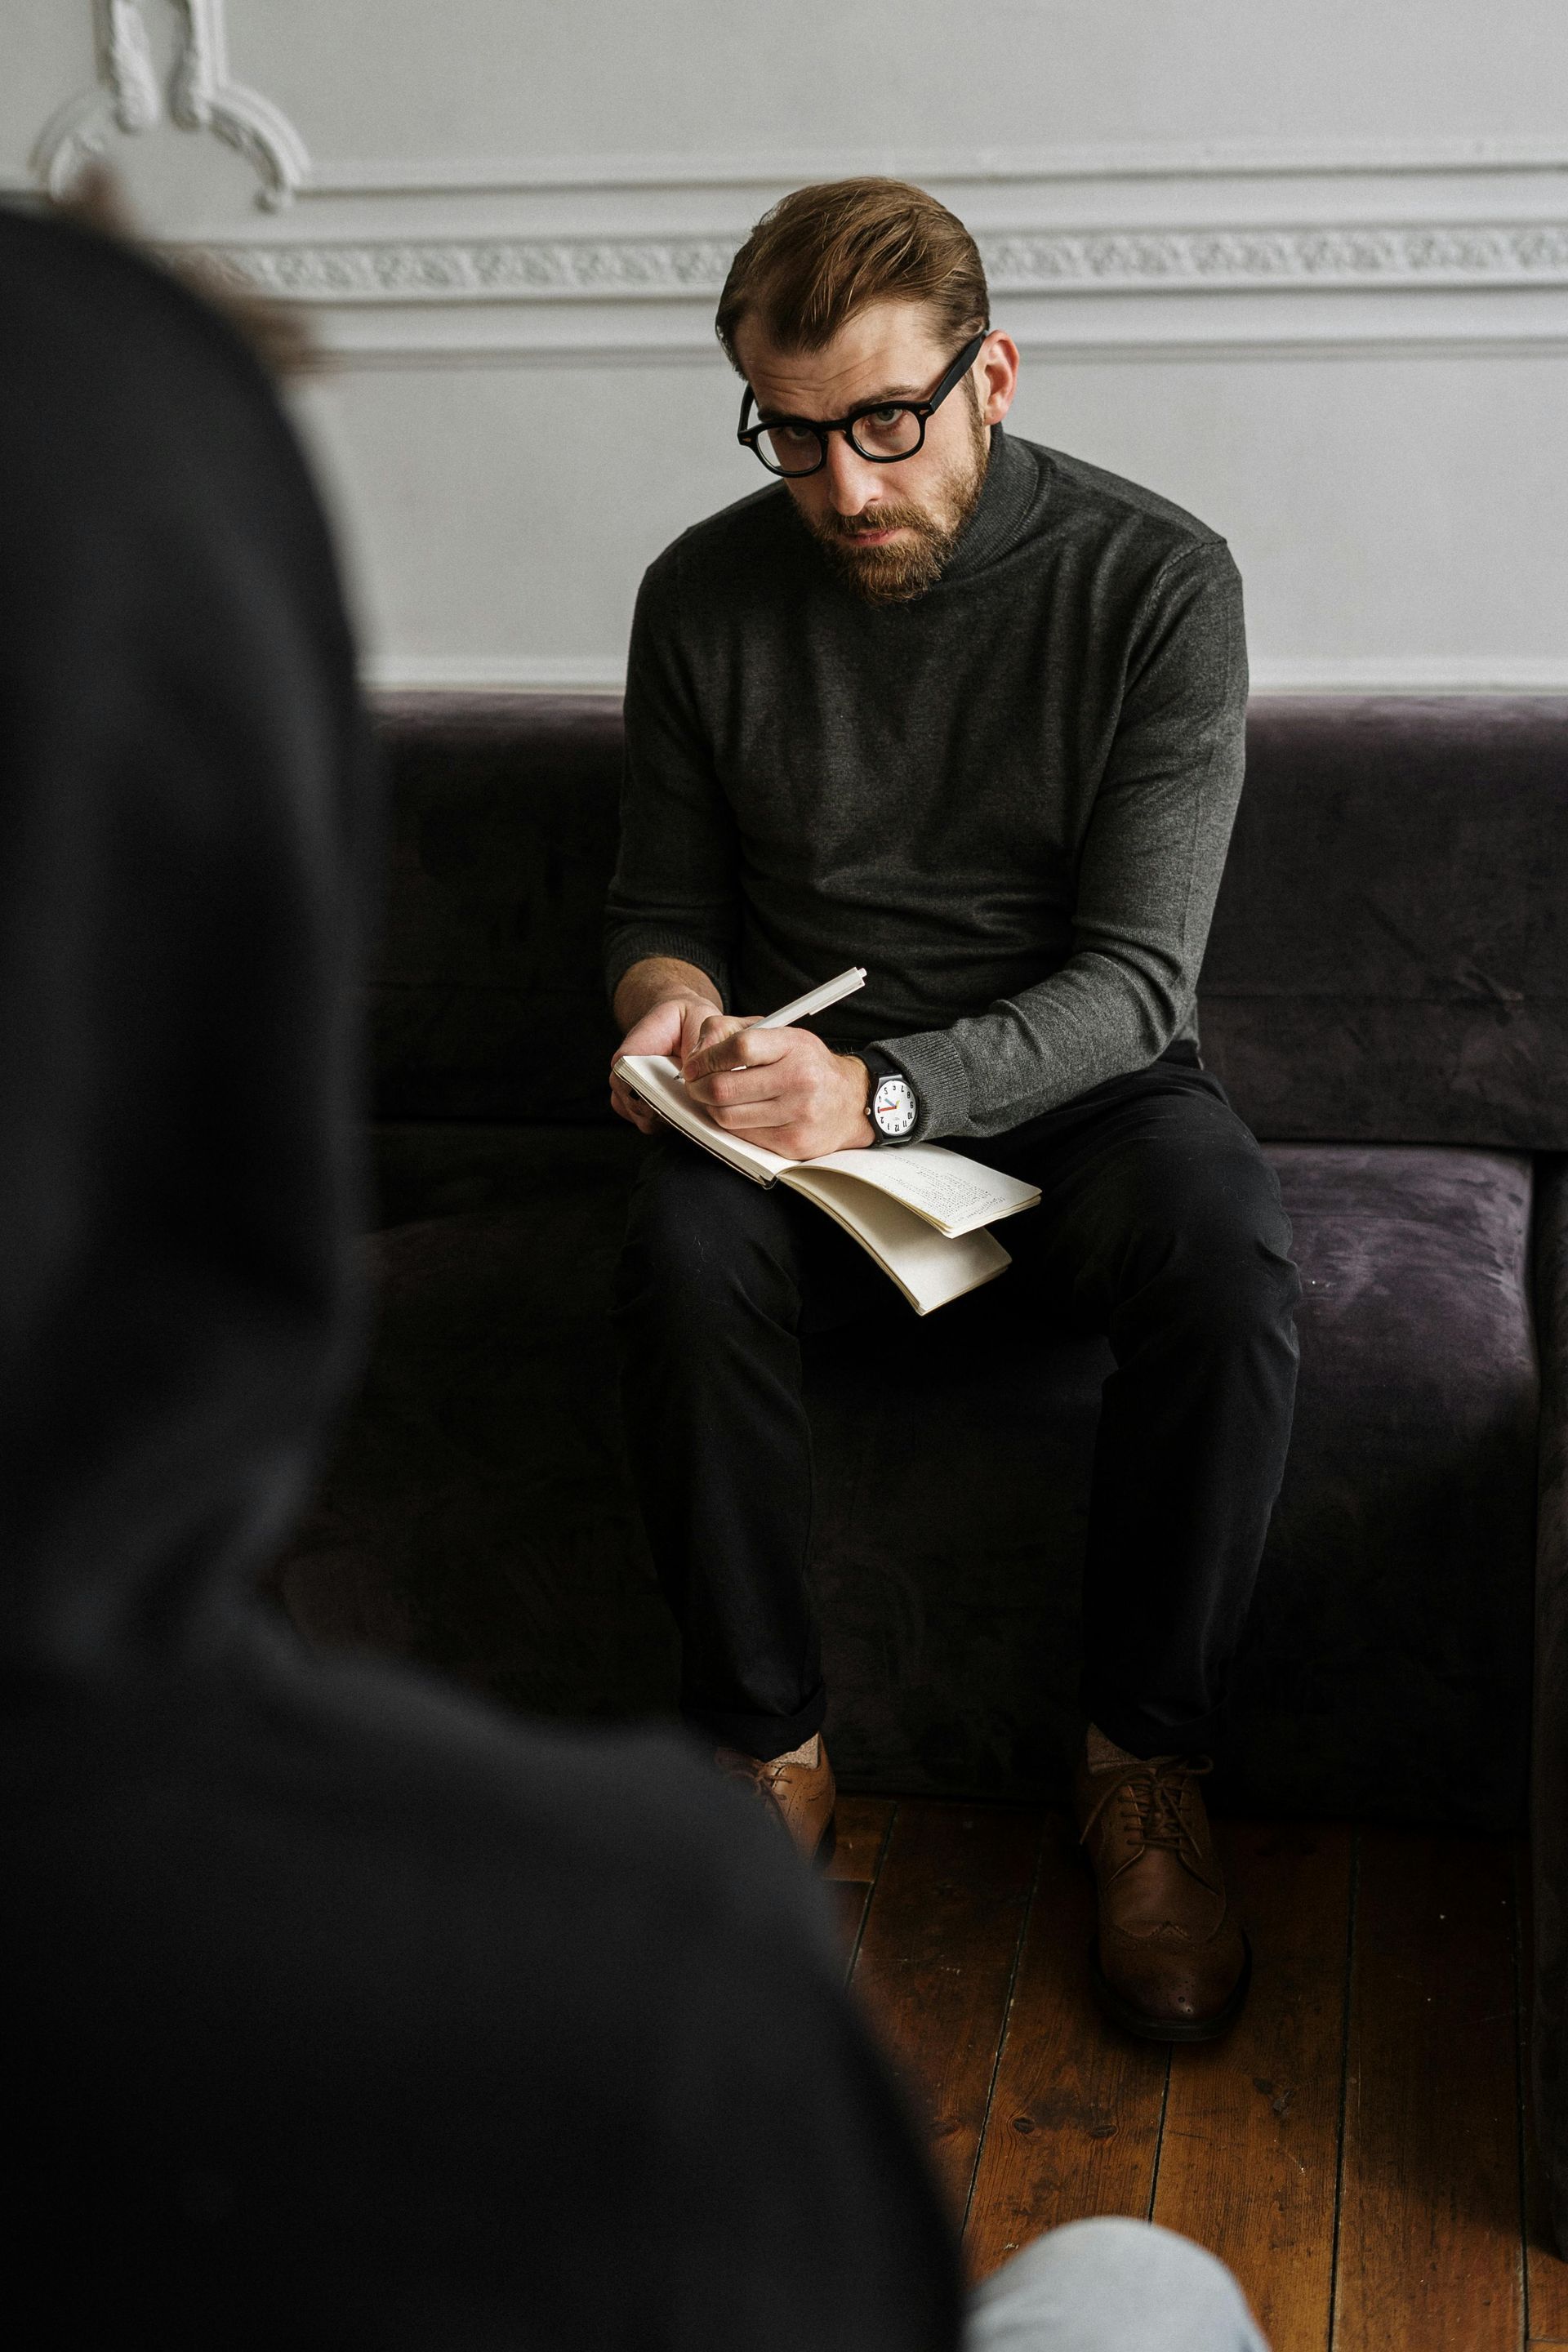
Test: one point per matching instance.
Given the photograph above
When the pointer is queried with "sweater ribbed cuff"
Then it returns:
(934, 1068)
(637, 941)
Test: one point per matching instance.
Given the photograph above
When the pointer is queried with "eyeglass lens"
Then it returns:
(881, 434)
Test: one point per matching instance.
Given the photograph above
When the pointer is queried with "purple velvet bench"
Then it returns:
(1385, 996)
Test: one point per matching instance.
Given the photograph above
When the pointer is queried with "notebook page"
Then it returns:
(927, 1268)
(953, 1193)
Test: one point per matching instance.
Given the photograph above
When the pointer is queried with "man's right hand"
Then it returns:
(671, 1024)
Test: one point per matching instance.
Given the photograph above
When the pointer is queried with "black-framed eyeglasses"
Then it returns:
(881, 431)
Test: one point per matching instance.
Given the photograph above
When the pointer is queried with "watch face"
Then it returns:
(893, 1106)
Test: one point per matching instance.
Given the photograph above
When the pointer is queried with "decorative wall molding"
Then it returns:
(1331, 674)
(1165, 247)
(496, 673)
(1411, 673)
(786, 168)
(1176, 247)
(556, 268)
(1471, 254)
(1373, 288)
(460, 345)
(202, 98)
(510, 268)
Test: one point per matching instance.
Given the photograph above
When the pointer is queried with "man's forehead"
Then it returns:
(889, 348)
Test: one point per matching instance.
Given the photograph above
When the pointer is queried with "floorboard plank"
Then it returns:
(861, 1826)
(1075, 2116)
(1429, 2252)
(850, 1898)
(936, 1962)
(1249, 2154)
(1546, 2274)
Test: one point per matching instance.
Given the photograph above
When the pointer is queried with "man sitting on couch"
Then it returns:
(970, 713)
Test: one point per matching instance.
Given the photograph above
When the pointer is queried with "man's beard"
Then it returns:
(892, 575)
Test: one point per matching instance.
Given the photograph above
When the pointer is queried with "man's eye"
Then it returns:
(881, 417)
(795, 436)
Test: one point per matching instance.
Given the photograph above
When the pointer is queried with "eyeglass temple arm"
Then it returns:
(961, 367)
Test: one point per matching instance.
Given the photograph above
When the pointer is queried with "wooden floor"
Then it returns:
(1355, 2149)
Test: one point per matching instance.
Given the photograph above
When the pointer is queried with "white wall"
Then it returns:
(1301, 264)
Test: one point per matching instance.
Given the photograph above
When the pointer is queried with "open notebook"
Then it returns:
(919, 1209)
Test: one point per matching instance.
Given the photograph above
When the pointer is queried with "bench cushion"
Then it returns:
(478, 1513)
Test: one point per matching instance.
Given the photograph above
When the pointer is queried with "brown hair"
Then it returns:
(277, 337)
(828, 250)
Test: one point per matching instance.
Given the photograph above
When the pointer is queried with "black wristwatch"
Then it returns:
(892, 1105)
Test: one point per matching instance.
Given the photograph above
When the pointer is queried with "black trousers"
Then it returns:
(1160, 1225)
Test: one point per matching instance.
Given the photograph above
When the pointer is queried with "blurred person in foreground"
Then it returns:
(968, 712)
(342, 2012)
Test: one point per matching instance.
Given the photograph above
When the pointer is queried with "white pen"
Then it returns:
(816, 999)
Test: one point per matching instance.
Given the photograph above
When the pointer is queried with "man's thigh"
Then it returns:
(704, 1240)
(1154, 1167)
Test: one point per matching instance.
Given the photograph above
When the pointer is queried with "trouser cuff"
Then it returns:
(762, 1735)
(1150, 1735)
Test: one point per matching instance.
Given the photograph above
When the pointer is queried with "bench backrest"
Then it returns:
(1388, 960)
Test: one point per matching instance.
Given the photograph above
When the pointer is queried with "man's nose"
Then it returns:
(853, 482)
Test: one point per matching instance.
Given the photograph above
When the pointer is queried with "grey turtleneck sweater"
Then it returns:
(1010, 798)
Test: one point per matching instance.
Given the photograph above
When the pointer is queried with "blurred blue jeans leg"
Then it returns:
(1111, 2286)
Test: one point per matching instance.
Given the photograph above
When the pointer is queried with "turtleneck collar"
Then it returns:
(1012, 481)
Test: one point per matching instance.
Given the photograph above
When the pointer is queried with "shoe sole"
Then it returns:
(827, 1844)
(1161, 2029)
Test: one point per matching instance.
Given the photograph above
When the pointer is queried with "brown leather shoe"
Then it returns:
(801, 1797)
(1172, 1962)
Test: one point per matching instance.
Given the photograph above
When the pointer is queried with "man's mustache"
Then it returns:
(882, 517)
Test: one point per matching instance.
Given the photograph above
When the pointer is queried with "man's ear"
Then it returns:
(997, 366)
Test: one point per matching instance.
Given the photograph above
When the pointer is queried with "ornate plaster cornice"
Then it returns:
(1375, 253)
(202, 98)
(479, 270)
(520, 269)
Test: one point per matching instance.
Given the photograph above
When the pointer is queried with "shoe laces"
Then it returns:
(755, 1774)
(1154, 1791)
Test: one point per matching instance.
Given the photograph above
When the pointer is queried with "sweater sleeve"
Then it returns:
(1148, 875)
(674, 891)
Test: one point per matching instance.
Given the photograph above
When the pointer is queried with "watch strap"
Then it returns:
(881, 1066)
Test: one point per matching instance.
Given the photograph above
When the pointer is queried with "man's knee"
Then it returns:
(701, 1244)
(1213, 1236)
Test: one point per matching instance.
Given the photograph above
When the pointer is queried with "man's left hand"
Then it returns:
(782, 1088)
